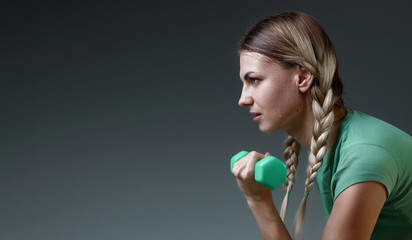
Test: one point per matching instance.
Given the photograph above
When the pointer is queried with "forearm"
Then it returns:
(268, 219)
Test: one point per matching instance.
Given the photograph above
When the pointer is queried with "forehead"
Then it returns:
(254, 62)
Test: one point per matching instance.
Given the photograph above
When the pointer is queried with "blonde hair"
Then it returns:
(294, 38)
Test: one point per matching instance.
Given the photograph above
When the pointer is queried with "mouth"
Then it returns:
(256, 116)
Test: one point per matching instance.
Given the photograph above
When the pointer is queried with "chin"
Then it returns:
(266, 130)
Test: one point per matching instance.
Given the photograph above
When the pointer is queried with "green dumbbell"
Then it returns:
(269, 171)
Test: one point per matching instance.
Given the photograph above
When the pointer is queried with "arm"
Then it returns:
(268, 219)
(355, 212)
(353, 216)
(259, 198)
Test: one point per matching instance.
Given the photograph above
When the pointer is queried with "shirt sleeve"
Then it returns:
(363, 163)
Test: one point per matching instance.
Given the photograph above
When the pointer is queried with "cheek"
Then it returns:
(282, 104)
(266, 100)
(269, 93)
(276, 98)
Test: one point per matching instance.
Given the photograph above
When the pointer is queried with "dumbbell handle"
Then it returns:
(269, 171)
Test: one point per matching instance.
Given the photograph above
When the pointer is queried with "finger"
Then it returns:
(252, 158)
(267, 154)
(239, 172)
(239, 167)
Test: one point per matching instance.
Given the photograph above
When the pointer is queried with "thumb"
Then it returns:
(267, 154)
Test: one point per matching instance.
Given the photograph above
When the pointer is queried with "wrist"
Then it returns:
(260, 199)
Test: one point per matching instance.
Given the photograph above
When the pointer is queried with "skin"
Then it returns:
(281, 96)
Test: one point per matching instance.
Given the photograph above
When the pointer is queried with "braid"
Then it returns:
(290, 155)
(323, 101)
(323, 122)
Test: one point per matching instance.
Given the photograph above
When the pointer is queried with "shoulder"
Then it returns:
(360, 128)
(366, 150)
(364, 162)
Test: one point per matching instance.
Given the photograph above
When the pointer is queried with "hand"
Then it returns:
(244, 171)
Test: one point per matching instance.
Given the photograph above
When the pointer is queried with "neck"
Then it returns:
(303, 133)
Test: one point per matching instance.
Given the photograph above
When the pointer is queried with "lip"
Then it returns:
(256, 116)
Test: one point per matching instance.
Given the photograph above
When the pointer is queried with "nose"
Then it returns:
(245, 98)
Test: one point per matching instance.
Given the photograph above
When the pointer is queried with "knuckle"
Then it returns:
(253, 153)
(243, 176)
(246, 174)
(236, 172)
(254, 157)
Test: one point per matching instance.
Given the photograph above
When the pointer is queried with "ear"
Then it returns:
(305, 79)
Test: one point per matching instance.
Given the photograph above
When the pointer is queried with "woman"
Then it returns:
(362, 165)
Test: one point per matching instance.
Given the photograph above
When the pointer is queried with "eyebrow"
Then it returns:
(247, 75)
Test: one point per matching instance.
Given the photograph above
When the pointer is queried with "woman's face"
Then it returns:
(271, 92)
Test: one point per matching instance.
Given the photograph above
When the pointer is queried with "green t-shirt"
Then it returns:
(368, 149)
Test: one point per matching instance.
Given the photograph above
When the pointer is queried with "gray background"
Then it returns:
(118, 118)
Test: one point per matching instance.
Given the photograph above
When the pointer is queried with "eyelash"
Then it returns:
(253, 80)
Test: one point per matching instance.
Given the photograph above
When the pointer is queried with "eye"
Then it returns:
(253, 80)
